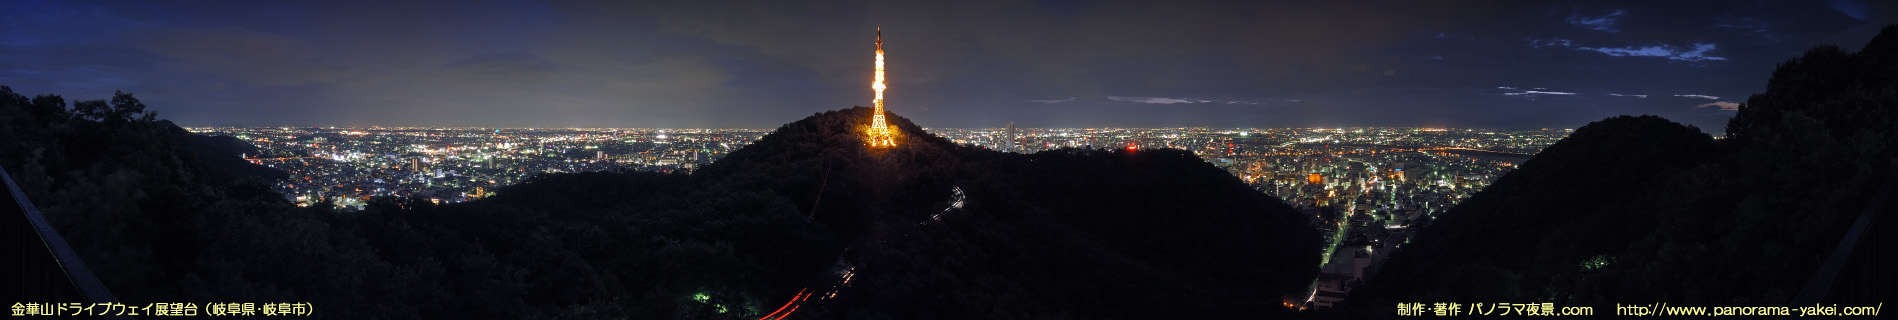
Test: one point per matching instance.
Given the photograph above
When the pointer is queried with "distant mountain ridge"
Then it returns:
(223, 155)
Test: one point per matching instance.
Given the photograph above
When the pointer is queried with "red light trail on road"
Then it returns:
(801, 295)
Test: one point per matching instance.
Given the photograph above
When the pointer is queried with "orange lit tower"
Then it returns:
(881, 134)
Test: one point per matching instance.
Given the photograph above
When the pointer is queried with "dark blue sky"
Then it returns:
(1507, 64)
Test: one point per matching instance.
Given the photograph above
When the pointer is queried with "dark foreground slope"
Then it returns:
(1641, 210)
(129, 193)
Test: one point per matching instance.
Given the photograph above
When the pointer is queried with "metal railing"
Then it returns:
(47, 271)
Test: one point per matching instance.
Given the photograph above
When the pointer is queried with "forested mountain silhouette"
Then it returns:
(1640, 209)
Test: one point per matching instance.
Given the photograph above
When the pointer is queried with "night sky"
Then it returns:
(1501, 64)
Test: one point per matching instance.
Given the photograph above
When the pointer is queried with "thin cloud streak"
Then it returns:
(1724, 106)
(1156, 100)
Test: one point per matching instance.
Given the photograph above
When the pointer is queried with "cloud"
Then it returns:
(1643, 96)
(1851, 8)
(1701, 96)
(1069, 99)
(1754, 27)
(1529, 92)
(1164, 100)
(1603, 23)
(1156, 100)
(1725, 106)
(1539, 43)
(1696, 52)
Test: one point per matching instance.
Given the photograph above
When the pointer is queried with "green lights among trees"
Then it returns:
(1597, 262)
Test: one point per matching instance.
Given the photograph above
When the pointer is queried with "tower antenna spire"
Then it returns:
(880, 133)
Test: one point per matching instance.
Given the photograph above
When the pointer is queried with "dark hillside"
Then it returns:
(1584, 196)
(1037, 234)
(1637, 209)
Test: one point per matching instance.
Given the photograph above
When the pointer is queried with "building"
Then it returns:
(1008, 145)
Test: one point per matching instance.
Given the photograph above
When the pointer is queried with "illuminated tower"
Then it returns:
(881, 134)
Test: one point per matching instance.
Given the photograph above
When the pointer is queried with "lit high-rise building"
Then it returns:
(1009, 145)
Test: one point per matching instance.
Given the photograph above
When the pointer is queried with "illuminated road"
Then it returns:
(957, 198)
(792, 305)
